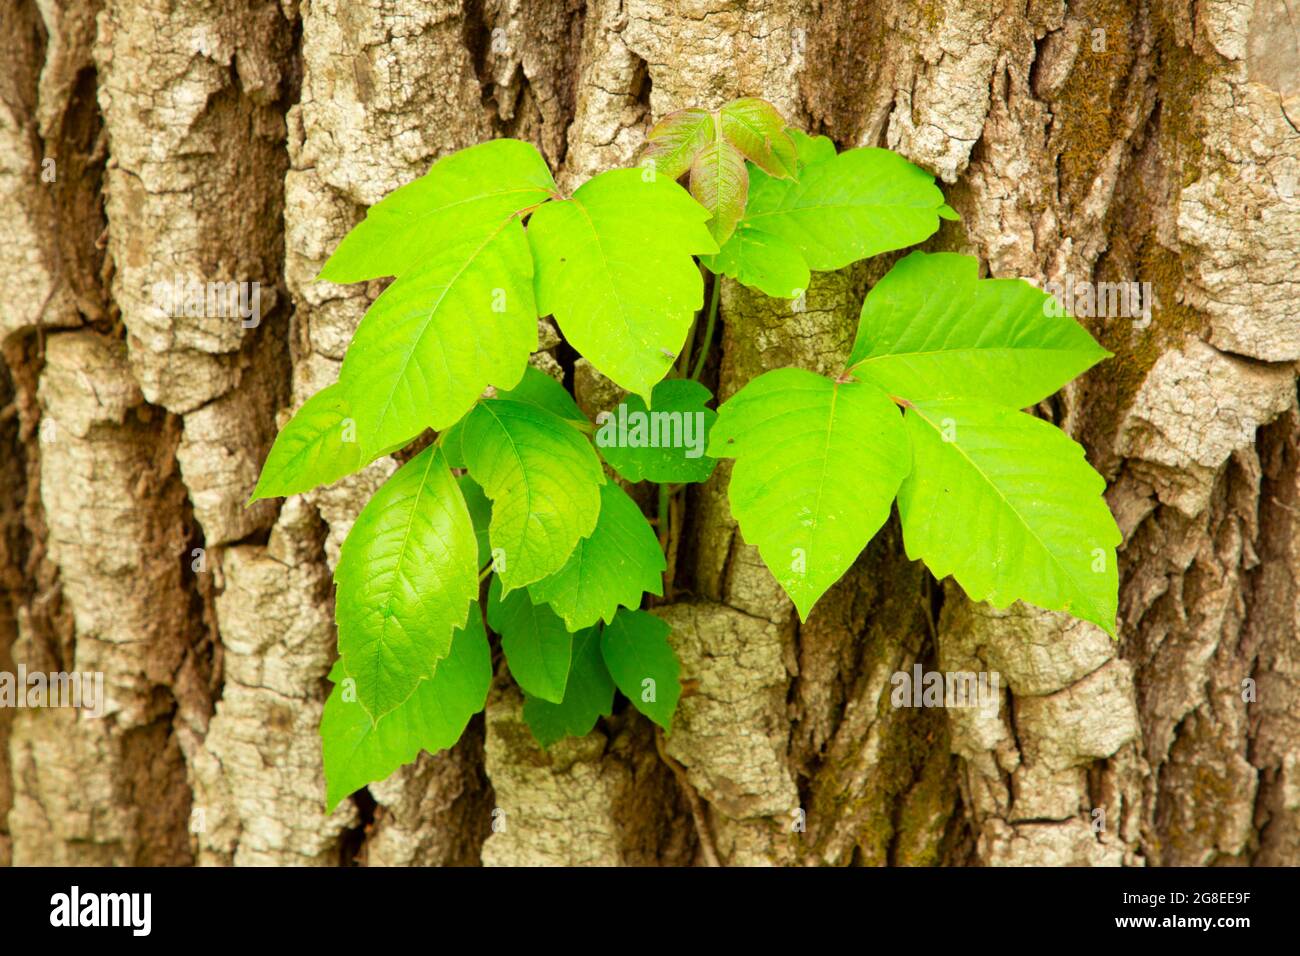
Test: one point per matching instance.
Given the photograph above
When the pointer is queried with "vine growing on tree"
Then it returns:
(513, 515)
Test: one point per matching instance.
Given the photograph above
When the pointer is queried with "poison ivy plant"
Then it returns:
(511, 504)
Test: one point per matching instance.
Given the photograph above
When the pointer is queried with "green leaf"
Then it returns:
(316, 447)
(641, 661)
(536, 388)
(615, 268)
(860, 203)
(757, 130)
(459, 320)
(540, 389)
(1008, 505)
(762, 261)
(811, 149)
(843, 208)
(619, 562)
(544, 481)
(588, 696)
(536, 643)
(667, 444)
(406, 577)
(480, 515)
(357, 752)
(931, 328)
(485, 184)
(720, 183)
(817, 466)
(674, 141)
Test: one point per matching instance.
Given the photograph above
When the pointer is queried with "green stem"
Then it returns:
(664, 521)
(708, 327)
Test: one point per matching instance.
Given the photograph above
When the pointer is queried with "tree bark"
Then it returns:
(239, 140)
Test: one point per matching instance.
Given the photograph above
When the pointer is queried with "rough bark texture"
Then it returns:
(239, 140)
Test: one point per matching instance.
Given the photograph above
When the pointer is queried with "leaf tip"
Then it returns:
(261, 492)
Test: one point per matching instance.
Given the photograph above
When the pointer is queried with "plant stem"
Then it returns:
(708, 327)
(665, 523)
(668, 525)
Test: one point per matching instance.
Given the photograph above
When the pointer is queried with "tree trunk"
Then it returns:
(239, 140)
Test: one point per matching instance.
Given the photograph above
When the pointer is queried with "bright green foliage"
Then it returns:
(470, 192)
(536, 643)
(357, 752)
(764, 261)
(588, 695)
(480, 514)
(614, 267)
(406, 577)
(512, 505)
(535, 388)
(543, 478)
(461, 315)
(841, 209)
(931, 328)
(459, 320)
(811, 149)
(818, 463)
(316, 447)
(1002, 501)
(618, 563)
(641, 661)
(540, 389)
(859, 204)
(666, 443)
(1007, 504)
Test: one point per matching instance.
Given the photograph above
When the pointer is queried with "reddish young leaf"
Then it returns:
(677, 139)
(755, 128)
(720, 183)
